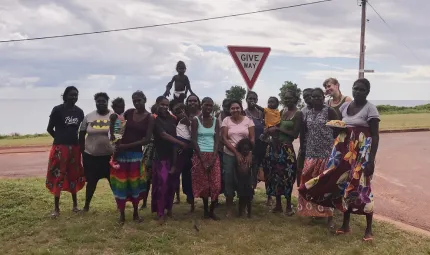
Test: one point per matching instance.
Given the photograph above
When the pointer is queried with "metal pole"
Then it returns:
(362, 39)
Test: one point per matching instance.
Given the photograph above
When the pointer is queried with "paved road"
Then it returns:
(400, 182)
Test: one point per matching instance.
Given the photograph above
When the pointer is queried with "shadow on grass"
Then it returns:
(27, 229)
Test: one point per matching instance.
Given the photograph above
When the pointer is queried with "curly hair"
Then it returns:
(101, 94)
(243, 144)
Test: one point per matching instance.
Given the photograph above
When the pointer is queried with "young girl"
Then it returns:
(117, 126)
(245, 184)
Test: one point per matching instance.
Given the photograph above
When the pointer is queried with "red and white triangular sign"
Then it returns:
(250, 61)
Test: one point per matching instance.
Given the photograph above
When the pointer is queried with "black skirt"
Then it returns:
(96, 167)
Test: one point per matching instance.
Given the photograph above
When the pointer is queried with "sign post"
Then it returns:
(250, 61)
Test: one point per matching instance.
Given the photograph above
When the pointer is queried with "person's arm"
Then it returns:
(259, 107)
(224, 132)
(188, 86)
(169, 87)
(83, 133)
(302, 138)
(348, 99)
(332, 115)
(374, 133)
(297, 126)
(194, 128)
(51, 124)
(51, 127)
(113, 117)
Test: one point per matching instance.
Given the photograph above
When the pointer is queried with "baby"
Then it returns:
(117, 127)
(245, 183)
(272, 118)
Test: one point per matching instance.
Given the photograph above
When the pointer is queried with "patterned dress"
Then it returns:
(282, 170)
(319, 143)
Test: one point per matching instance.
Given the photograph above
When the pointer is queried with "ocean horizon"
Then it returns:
(30, 116)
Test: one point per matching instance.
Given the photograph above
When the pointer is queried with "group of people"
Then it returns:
(228, 152)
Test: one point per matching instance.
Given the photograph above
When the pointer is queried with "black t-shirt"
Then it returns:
(66, 124)
(164, 148)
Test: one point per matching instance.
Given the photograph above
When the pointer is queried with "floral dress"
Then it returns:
(343, 184)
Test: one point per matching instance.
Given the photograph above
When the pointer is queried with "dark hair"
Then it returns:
(295, 92)
(226, 101)
(67, 90)
(242, 143)
(139, 93)
(101, 94)
(318, 89)
(154, 109)
(160, 98)
(277, 100)
(198, 100)
(117, 101)
(308, 89)
(250, 92)
(204, 100)
(180, 62)
(235, 101)
(363, 81)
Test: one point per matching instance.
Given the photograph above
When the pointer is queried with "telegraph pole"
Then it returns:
(362, 39)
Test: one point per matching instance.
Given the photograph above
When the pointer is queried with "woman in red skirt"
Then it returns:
(206, 172)
(65, 171)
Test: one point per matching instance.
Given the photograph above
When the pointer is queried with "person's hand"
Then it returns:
(272, 130)
(183, 145)
(370, 168)
(248, 159)
(239, 157)
(172, 170)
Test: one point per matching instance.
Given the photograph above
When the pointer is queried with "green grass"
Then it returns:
(25, 206)
(390, 109)
(25, 141)
(405, 121)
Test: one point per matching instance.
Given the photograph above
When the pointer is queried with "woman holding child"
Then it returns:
(128, 180)
(280, 161)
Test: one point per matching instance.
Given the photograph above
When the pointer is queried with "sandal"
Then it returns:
(342, 232)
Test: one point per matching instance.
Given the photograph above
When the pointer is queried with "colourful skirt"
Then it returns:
(281, 172)
(164, 186)
(343, 184)
(128, 183)
(312, 168)
(206, 184)
(65, 171)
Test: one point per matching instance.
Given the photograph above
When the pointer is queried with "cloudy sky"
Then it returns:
(308, 45)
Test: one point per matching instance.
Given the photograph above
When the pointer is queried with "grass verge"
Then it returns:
(27, 229)
(405, 121)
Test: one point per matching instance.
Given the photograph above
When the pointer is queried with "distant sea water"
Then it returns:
(31, 116)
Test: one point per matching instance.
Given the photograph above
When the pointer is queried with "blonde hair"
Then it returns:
(331, 80)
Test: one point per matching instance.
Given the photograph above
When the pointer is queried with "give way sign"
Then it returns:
(250, 61)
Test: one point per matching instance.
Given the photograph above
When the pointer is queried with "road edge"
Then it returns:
(402, 226)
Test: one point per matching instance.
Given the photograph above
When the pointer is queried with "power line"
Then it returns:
(392, 31)
(165, 24)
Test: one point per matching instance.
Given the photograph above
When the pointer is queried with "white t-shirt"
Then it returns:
(183, 131)
(236, 132)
